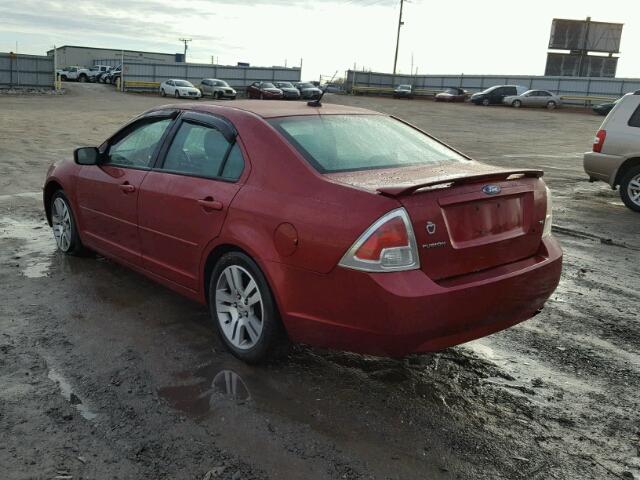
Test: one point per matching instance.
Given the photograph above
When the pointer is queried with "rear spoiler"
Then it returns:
(398, 191)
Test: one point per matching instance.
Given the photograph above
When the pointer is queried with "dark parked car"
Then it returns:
(452, 94)
(403, 91)
(314, 224)
(289, 92)
(308, 90)
(495, 95)
(264, 91)
(604, 108)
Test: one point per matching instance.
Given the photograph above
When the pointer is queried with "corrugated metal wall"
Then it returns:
(20, 71)
(613, 87)
(194, 72)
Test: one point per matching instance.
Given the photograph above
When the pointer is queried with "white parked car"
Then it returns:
(217, 88)
(615, 156)
(179, 89)
(534, 98)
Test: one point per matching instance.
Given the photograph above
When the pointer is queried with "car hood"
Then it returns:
(388, 179)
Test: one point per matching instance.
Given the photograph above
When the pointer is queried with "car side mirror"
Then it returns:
(86, 155)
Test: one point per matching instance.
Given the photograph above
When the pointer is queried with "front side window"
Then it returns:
(136, 148)
(204, 152)
(336, 143)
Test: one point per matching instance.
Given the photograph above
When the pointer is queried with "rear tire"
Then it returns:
(630, 188)
(64, 225)
(243, 309)
(162, 92)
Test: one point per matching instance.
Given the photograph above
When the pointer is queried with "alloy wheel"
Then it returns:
(633, 190)
(239, 307)
(61, 222)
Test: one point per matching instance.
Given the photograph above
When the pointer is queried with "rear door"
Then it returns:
(107, 193)
(184, 200)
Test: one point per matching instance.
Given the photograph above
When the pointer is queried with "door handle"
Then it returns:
(210, 204)
(127, 188)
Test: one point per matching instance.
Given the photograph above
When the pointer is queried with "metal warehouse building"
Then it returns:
(72, 55)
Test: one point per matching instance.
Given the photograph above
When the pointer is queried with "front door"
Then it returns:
(184, 202)
(107, 193)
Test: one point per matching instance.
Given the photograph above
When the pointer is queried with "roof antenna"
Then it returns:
(316, 103)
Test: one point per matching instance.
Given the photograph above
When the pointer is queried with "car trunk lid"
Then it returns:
(465, 219)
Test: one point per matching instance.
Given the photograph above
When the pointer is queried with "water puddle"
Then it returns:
(67, 392)
(33, 253)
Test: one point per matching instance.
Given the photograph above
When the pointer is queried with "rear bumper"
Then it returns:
(399, 313)
(600, 166)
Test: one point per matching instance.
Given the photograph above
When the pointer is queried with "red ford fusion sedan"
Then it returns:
(327, 225)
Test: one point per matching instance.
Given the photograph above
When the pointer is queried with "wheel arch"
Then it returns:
(628, 163)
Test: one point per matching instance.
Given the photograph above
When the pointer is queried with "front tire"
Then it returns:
(176, 94)
(551, 105)
(486, 102)
(82, 79)
(64, 225)
(630, 188)
(243, 309)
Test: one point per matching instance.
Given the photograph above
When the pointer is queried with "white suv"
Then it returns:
(615, 158)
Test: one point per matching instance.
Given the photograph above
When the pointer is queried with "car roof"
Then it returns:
(272, 109)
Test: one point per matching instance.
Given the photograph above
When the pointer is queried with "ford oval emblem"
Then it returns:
(491, 189)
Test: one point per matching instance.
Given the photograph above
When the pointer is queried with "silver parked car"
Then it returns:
(615, 157)
(217, 89)
(534, 98)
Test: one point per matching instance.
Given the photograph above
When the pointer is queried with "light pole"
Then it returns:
(400, 23)
(185, 41)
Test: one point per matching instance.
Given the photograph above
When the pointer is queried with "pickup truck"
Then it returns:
(79, 74)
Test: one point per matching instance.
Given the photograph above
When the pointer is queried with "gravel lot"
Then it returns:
(104, 374)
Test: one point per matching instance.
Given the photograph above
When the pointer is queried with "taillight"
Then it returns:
(598, 142)
(388, 245)
(548, 220)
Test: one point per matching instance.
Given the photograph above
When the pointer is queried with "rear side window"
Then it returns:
(634, 121)
(203, 151)
(337, 143)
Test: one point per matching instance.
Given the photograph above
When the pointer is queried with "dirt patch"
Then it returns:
(104, 374)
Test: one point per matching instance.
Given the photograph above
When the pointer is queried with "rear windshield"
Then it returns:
(339, 143)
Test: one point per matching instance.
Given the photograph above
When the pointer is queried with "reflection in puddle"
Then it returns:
(67, 392)
(210, 391)
(36, 248)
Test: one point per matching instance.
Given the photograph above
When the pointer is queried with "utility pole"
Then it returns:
(185, 41)
(400, 23)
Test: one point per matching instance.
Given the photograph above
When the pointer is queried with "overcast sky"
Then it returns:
(498, 37)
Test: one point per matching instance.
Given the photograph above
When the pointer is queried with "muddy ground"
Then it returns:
(104, 374)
